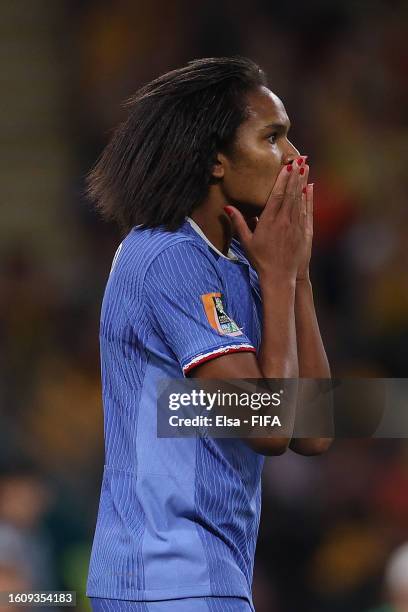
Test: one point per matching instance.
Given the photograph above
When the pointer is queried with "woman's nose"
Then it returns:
(290, 154)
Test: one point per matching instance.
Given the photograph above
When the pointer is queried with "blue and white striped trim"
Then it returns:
(232, 348)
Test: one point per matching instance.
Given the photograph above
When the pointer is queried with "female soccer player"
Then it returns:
(201, 156)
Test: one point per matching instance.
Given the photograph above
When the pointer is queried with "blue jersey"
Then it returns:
(178, 517)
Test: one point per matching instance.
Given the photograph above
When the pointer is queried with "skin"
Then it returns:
(266, 178)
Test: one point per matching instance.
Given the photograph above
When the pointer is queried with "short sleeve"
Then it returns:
(183, 294)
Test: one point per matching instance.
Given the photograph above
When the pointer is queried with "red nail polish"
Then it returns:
(228, 210)
(302, 171)
(299, 161)
(289, 167)
(304, 190)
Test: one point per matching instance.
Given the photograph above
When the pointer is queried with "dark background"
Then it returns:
(330, 524)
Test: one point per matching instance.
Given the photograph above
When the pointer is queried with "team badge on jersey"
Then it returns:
(217, 317)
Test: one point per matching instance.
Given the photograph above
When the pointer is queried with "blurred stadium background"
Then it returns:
(330, 524)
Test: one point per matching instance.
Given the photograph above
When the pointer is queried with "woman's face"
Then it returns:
(260, 149)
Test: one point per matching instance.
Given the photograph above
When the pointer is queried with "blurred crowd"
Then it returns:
(333, 527)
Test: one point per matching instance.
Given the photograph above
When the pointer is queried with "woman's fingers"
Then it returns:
(239, 225)
(277, 194)
(286, 197)
(302, 204)
(309, 208)
(305, 175)
(292, 194)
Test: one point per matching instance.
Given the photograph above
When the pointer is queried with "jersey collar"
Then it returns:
(230, 256)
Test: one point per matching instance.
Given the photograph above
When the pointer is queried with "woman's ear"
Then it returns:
(218, 167)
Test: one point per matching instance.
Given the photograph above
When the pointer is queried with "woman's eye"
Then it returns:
(272, 138)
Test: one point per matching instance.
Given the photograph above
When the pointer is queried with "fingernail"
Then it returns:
(304, 190)
(302, 170)
(289, 167)
(299, 161)
(229, 211)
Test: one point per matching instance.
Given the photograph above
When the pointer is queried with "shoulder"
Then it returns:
(180, 253)
(142, 246)
(155, 252)
(145, 245)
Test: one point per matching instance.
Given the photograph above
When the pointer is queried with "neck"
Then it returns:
(215, 225)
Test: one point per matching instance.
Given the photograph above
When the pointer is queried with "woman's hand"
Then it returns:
(279, 247)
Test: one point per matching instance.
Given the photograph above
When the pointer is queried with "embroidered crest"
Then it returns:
(217, 317)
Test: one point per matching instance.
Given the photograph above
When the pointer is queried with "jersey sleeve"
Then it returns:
(186, 305)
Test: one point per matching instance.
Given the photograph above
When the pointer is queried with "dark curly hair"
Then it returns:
(157, 166)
